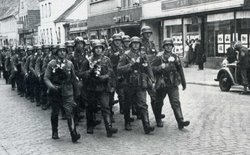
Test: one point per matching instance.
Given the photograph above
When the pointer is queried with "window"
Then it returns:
(22, 5)
(46, 10)
(59, 34)
(48, 35)
(49, 9)
(42, 12)
(51, 36)
(126, 3)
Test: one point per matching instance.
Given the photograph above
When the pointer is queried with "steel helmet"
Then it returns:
(79, 39)
(237, 45)
(135, 40)
(167, 41)
(146, 29)
(97, 43)
(117, 36)
(87, 42)
(126, 38)
(46, 46)
(29, 48)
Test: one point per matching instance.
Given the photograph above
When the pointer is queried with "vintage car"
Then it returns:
(229, 75)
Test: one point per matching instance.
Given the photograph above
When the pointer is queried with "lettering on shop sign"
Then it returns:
(123, 19)
(170, 4)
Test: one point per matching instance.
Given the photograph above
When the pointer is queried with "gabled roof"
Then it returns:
(7, 7)
(63, 17)
(12, 11)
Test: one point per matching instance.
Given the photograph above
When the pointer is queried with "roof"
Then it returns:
(8, 7)
(63, 17)
(12, 11)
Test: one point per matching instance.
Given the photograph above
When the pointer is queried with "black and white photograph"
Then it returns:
(124, 77)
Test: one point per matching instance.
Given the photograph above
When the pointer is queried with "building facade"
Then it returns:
(50, 10)
(29, 20)
(73, 22)
(215, 22)
(107, 17)
(9, 27)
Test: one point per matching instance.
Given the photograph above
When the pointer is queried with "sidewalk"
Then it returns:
(202, 77)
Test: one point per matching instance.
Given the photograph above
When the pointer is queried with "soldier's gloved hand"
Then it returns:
(53, 87)
(26, 74)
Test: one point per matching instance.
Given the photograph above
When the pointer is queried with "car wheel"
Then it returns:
(225, 82)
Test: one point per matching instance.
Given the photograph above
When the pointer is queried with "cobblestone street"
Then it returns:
(219, 125)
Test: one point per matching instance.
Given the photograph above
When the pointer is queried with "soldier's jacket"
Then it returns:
(78, 61)
(149, 48)
(172, 74)
(39, 65)
(102, 82)
(46, 61)
(244, 57)
(15, 63)
(33, 64)
(27, 64)
(114, 53)
(7, 62)
(136, 75)
(61, 73)
(2, 57)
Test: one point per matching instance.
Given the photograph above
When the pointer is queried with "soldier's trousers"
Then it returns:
(135, 96)
(19, 76)
(67, 102)
(43, 92)
(152, 94)
(37, 90)
(243, 73)
(12, 79)
(174, 99)
(94, 98)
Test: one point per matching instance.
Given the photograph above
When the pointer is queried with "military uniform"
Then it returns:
(35, 81)
(168, 78)
(96, 74)
(60, 79)
(7, 65)
(149, 48)
(136, 69)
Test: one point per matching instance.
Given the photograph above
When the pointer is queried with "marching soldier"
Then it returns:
(169, 74)
(7, 64)
(13, 69)
(96, 74)
(35, 81)
(149, 48)
(87, 48)
(40, 71)
(27, 74)
(1, 60)
(114, 52)
(70, 50)
(60, 79)
(136, 69)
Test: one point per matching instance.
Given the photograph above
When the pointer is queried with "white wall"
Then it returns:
(8, 28)
(58, 7)
(103, 7)
(81, 12)
(153, 9)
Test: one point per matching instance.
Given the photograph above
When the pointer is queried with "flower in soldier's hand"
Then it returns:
(138, 60)
(171, 59)
(145, 64)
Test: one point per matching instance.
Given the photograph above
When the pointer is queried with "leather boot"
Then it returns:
(244, 91)
(54, 124)
(128, 126)
(108, 124)
(146, 124)
(72, 128)
(179, 118)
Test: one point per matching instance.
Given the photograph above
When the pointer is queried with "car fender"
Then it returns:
(227, 71)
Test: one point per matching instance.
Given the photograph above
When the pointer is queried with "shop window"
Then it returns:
(220, 36)
(192, 28)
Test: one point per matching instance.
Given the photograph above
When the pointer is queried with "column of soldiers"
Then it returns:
(83, 76)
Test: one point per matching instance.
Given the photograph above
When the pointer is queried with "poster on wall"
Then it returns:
(244, 38)
(179, 39)
(220, 48)
(226, 47)
(228, 38)
(220, 38)
(174, 39)
(245, 45)
(235, 39)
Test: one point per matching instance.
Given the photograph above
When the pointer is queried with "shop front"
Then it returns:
(78, 28)
(105, 25)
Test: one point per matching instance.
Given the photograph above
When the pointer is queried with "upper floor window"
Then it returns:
(42, 12)
(49, 9)
(126, 3)
(22, 5)
(46, 11)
